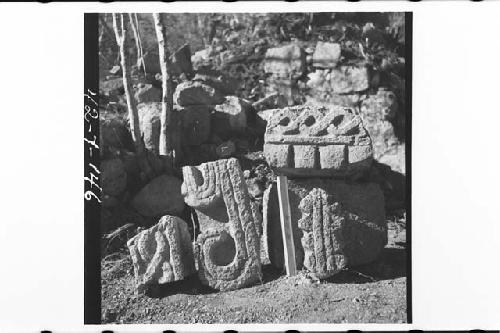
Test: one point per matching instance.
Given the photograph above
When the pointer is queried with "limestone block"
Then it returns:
(326, 55)
(285, 61)
(195, 122)
(340, 80)
(227, 249)
(162, 253)
(231, 116)
(196, 93)
(353, 217)
(149, 123)
(317, 141)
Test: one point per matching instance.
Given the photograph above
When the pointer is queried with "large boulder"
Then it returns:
(285, 61)
(162, 253)
(114, 134)
(231, 115)
(195, 122)
(334, 224)
(196, 93)
(181, 61)
(113, 177)
(161, 196)
(326, 55)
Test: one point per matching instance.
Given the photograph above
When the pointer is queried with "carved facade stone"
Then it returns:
(227, 249)
(162, 253)
(356, 221)
(311, 141)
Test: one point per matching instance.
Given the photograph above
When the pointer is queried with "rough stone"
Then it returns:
(230, 116)
(272, 101)
(114, 134)
(341, 80)
(326, 55)
(161, 196)
(225, 149)
(285, 61)
(112, 87)
(351, 215)
(162, 253)
(377, 112)
(181, 61)
(196, 93)
(150, 124)
(384, 104)
(322, 222)
(309, 141)
(195, 120)
(227, 249)
(152, 62)
(146, 93)
(226, 86)
(113, 177)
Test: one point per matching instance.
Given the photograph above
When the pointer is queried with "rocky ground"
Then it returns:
(374, 293)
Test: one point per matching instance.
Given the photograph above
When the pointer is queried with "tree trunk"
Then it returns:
(167, 129)
(135, 29)
(121, 39)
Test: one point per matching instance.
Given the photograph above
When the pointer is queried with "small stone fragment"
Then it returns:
(162, 253)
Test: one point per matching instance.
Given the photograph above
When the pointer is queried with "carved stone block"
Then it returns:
(351, 217)
(162, 253)
(227, 250)
(312, 141)
(321, 223)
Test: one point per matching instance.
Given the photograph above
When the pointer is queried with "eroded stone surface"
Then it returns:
(162, 253)
(377, 112)
(326, 55)
(197, 93)
(231, 116)
(322, 222)
(195, 122)
(227, 250)
(161, 196)
(147, 93)
(340, 80)
(149, 123)
(285, 61)
(361, 235)
(317, 141)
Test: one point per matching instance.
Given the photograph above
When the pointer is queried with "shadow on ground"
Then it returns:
(390, 265)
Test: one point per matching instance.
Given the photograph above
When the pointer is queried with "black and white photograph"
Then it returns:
(249, 166)
(253, 167)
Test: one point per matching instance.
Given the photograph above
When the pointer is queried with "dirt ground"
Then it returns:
(373, 293)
